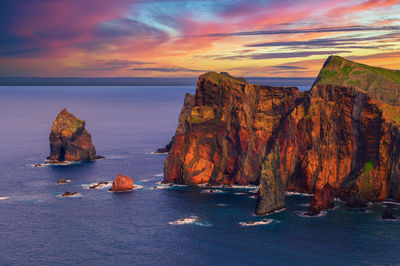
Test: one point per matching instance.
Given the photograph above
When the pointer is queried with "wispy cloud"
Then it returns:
(301, 31)
(167, 69)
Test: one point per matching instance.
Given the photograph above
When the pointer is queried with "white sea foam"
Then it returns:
(305, 205)
(189, 220)
(262, 222)
(290, 193)
(240, 193)
(212, 191)
(159, 175)
(158, 153)
(280, 210)
(4, 198)
(227, 186)
(304, 215)
(137, 186)
(221, 204)
(252, 197)
(98, 185)
(254, 191)
(391, 202)
(63, 181)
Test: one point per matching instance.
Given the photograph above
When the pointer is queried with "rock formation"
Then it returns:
(69, 140)
(322, 200)
(167, 147)
(122, 183)
(335, 133)
(387, 215)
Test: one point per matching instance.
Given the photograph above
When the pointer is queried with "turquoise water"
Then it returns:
(142, 228)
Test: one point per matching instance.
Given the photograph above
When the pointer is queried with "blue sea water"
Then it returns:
(127, 124)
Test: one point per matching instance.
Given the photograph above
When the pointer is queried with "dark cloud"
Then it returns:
(261, 56)
(348, 43)
(301, 31)
(170, 69)
(283, 67)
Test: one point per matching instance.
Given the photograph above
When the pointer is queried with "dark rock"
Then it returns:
(69, 194)
(356, 201)
(62, 181)
(388, 215)
(167, 147)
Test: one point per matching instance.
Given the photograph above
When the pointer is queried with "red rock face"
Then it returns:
(338, 135)
(329, 135)
(122, 183)
(69, 140)
(223, 131)
(322, 200)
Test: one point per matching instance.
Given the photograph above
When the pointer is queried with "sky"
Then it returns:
(177, 38)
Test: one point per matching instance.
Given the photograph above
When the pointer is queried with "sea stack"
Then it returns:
(69, 140)
(122, 183)
(322, 200)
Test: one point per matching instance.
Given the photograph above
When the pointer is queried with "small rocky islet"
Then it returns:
(69, 140)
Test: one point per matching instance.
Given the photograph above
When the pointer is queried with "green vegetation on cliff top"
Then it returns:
(380, 83)
(223, 77)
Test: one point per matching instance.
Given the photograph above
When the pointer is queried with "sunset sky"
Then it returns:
(128, 38)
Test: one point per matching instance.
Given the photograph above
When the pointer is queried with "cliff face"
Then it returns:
(336, 136)
(69, 140)
(224, 129)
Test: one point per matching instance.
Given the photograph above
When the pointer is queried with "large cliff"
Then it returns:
(337, 133)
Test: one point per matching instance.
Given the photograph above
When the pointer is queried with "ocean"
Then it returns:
(148, 225)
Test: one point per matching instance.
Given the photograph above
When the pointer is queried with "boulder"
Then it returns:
(122, 183)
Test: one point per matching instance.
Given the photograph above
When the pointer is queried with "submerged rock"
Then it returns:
(388, 215)
(69, 140)
(122, 183)
(63, 181)
(356, 201)
(322, 200)
(69, 194)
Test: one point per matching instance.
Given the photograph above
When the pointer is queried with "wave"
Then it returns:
(239, 193)
(159, 175)
(4, 198)
(98, 185)
(391, 202)
(158, 153)
(305, 205)
(252, 197)
(292, 193)
(262, 222)
(189, 220)
(212, 191)
(221, 204)
(304, 215)
(228, 186)
(254, 191)
(280, 210)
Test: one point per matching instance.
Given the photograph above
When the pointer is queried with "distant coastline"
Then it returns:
(46, 81)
